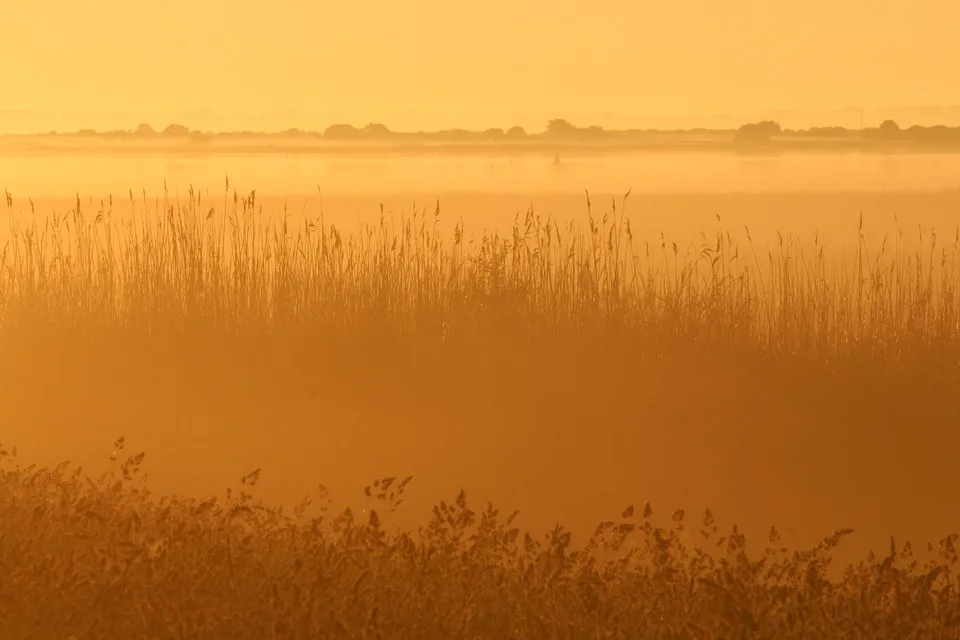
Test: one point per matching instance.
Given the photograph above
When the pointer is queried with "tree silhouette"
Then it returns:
(759, 131)
(560, 127)
(889, 129)
(341, 132)
(176, 130)
(376, 129)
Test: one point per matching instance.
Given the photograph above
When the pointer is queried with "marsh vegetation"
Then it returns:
(562, 368)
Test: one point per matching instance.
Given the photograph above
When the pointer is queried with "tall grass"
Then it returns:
(566, 311)
(189, 265)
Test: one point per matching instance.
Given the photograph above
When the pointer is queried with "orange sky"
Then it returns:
(476, 63)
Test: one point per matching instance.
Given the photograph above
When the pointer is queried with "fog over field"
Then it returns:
(490, 320)
(386, 412)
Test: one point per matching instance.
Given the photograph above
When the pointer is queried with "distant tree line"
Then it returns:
(888, 130)
(558, 129)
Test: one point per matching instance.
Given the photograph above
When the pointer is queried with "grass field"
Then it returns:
(566, 369)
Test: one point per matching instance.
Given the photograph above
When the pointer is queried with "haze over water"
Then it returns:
(568, 443)
(390, 175)
(678, 193)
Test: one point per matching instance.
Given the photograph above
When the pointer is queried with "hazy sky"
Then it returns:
(456, 61)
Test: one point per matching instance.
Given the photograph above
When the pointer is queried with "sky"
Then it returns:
(475, 63)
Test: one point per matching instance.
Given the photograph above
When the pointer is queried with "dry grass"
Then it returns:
(103, 558)
(189, 266)
(859, 353)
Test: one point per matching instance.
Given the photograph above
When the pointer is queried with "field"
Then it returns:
(579, 373)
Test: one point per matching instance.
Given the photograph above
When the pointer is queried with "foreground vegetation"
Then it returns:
(103, 558)
(861, 350)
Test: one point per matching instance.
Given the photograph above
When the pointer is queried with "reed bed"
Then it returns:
(872, 335)
(190, 265)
